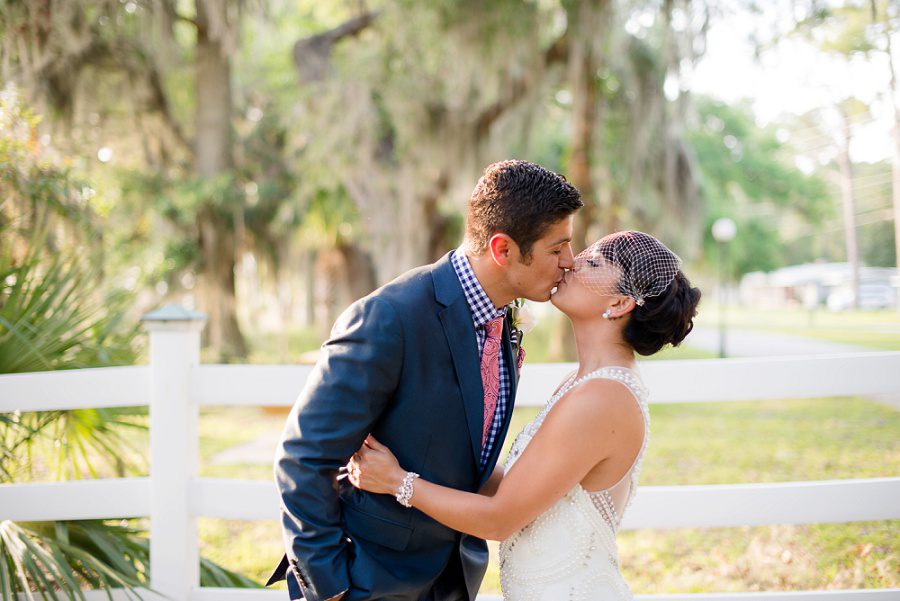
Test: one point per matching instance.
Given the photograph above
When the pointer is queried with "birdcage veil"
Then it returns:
(627, 263)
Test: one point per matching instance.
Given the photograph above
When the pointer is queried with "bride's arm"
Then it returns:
(579, 432)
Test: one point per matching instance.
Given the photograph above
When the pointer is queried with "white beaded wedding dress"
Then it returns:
(569, 552)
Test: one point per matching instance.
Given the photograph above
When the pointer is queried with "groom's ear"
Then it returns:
(500, 247)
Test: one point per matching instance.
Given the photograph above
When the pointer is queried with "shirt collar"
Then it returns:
(483, 310)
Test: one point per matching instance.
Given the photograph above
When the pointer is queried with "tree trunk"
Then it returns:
(895, 163)
(589, 23)
(584, 108)
(217, 284)
(895, 184)
(585, 111)
(344, 274)
(213, 158)
(849, 212)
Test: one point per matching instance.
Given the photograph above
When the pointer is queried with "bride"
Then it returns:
(572, 472)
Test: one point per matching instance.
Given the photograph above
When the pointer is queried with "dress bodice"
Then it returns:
(570, 551)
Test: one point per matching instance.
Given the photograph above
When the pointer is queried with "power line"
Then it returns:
(868, 118)
(885, 212)
(829, 227)
(882, 186)
(828, 132)
(881, 208)
(886, 177)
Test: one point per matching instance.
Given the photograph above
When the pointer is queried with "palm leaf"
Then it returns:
(51, 557)
(51, 318)
(12, 551)
(71, 587)
(214, 575)
(7, 576)
(41, 568)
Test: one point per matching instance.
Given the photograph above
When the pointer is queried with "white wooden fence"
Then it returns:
(174, 385)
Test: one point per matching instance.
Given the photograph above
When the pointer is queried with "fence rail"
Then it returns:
(659, 507)
(174, 385)
(676, 381)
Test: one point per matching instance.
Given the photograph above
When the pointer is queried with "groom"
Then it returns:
(405, 364)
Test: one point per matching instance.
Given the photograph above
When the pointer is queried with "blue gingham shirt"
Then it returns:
(483, 311)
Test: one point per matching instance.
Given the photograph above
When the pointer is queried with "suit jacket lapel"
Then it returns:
(468, 372)
(513, 352)
(456, 319)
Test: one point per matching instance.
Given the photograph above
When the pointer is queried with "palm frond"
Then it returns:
(52, 318)
(57, 559)
(53, 560)
(214, 575)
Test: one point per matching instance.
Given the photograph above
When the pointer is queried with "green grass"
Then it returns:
(771, 441)
(284, 347)
(768, 558)
(708, 443)
(225, 427)
(251, 548)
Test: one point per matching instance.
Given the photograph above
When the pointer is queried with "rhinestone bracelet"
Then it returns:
(405, 492)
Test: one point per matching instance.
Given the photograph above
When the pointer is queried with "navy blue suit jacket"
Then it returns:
(402, 364)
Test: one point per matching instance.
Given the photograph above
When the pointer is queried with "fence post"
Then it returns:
(174, 353)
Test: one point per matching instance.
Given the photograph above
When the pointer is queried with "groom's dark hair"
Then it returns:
(519, 199)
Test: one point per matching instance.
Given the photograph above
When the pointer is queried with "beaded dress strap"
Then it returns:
(628, 377)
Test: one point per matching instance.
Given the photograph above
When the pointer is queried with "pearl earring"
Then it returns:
(607, 314)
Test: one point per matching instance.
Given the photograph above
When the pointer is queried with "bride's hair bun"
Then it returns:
(663, 319)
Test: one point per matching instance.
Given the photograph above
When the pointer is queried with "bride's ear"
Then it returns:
(621, 306)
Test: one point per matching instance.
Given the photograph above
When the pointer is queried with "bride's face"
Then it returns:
(584, 288)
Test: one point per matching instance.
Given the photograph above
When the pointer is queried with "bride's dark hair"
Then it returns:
(663, 319)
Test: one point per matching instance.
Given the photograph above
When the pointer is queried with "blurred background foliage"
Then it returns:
(268, 163)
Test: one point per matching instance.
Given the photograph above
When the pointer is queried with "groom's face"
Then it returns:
(550, 257)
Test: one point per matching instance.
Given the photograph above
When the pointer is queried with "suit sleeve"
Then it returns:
(347, 391)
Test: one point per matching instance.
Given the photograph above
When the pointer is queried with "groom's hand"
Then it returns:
(338, 598)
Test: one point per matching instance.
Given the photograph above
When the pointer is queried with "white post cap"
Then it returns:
(174, 317)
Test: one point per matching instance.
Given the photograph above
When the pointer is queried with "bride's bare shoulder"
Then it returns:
(603, 398)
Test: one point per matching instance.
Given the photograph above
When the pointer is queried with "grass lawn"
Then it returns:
(769, 441)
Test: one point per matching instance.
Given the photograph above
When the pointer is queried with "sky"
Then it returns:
(794, 78)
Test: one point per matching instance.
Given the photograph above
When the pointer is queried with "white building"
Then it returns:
(819, 283)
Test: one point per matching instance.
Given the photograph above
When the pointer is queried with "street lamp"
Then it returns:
(723, 230)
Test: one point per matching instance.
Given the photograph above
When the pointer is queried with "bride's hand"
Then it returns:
(375, 469)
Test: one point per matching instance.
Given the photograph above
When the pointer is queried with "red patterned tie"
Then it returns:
(490, 372)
